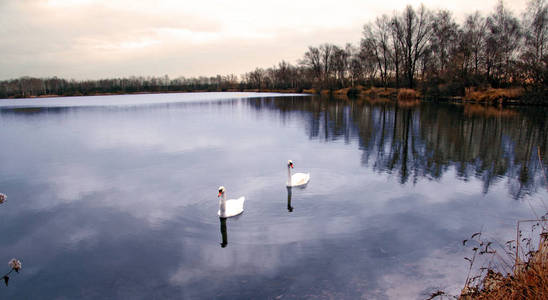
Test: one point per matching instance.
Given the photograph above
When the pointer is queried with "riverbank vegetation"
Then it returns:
(488, 58)
(524, 260)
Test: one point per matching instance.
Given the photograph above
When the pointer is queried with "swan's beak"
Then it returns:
(291, 165)
(220, 193)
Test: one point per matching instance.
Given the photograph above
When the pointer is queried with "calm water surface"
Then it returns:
(116, 197)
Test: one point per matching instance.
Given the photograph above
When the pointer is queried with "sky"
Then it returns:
(94, 39)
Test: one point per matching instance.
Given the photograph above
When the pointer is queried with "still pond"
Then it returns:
(115, 197)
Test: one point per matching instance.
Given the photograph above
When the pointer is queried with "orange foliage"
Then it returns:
(310, 91)
(529, 283)
(374, 92)
(407, 94)
(491, 95)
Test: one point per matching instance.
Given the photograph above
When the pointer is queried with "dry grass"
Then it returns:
(352, 92)
(325, 92)
(530, 280)
(491, 95)
(282, 91)
(407, 94)
(374, 92)
(341, 92)
(525, 265)
(310, 91)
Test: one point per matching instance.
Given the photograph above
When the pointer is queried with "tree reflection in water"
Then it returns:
(427, 139)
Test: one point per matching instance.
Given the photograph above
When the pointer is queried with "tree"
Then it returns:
(376, 42)
(412, 30)
(443, 40)
(535, 22)
(396, 52)
(503, 41)
(340, 61)
(312, 61)
(474, 39)
(326, 51)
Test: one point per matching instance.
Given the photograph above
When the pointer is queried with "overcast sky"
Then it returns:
(92, 39)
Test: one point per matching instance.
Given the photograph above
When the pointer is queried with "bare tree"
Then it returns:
(376, 41)
(413, 30)
(312, 61)
(443, 40)
(340, 60)
(474, 38)
(535, 21)
(503, 41)
(534, 64)
(396, 52)
(257, 78)
(326, 51)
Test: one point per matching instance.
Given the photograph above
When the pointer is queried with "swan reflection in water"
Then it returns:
(223, 232)
(289, 207)
(290, 193)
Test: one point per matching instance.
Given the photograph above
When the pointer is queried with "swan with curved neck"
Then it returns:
(231, 207)
(296, 179)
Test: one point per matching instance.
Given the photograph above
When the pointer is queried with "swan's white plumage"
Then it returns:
(234, 207)
(299, 179)
(231, 207)
(296, 179)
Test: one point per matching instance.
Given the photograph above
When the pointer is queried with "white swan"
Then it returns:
(231, 207)
(297, 178)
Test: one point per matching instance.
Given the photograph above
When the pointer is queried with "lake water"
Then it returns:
(115, 197)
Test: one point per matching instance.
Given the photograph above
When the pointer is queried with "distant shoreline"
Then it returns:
(507, 96)
(153, 92)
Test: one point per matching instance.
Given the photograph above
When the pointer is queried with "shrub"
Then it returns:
(407, 94)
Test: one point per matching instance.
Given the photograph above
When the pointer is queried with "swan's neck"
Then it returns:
(222, 204)
(288, 175)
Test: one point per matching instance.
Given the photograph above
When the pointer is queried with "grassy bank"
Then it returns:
(528, 281)
(515, 269)
(474, 95)
(493, 96)
(286, 91)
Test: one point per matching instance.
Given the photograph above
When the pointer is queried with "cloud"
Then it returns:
(425, 276)
(95, 39)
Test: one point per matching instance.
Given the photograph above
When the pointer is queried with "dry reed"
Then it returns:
(374, 92)
(525, 265)
(407, 94)
(491, 95)
(528, 281)
(310, 91)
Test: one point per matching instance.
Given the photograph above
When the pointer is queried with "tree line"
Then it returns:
(416, 48)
